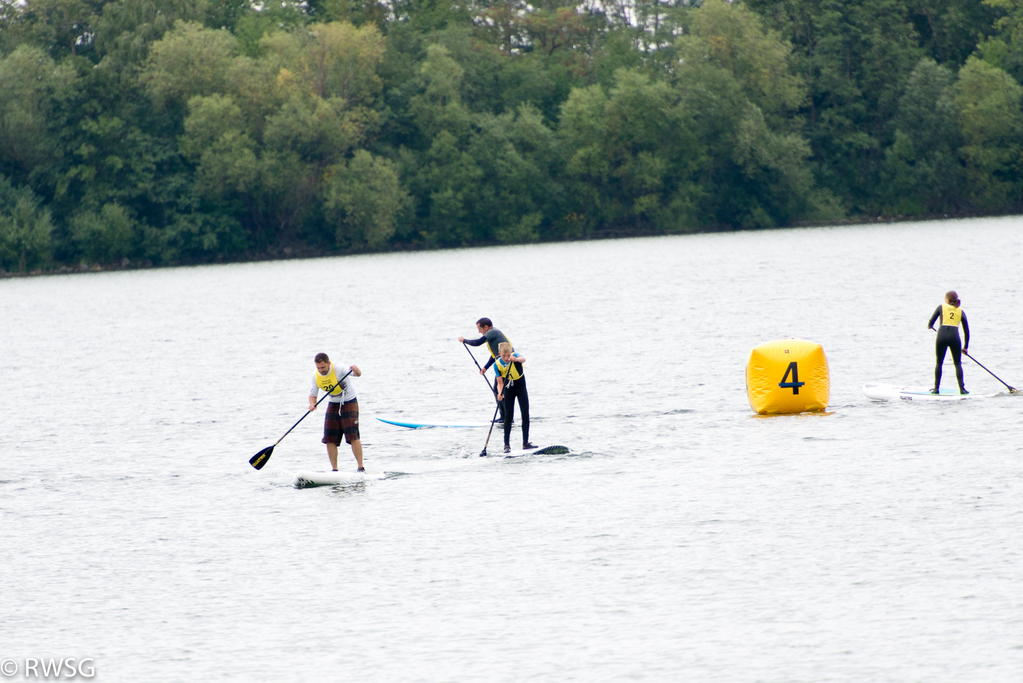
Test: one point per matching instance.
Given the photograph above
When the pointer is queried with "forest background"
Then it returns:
(142, 132)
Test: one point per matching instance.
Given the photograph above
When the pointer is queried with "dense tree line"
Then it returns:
(171, 131)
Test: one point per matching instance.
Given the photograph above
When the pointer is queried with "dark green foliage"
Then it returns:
(855, 59)
(25, 228)
(103, 236)
(922, 167)
(950, 30)
(196, 130)
(365, 199)
(632, 158)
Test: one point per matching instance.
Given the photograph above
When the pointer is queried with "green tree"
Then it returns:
(355, 12)
(364, 200)
(498, 80)
(923, 170)
(988, 103)
(330, 60)
(522, 194)
(125, 30)
(104, 236)
(446, 182)
(60, 27)
(25, 228)
(734, 39)
(195, 235)
(29, 80)
(483, 178)
(632, 156)
(950, 30)
(439, 107)
(444, 178)
(1004, 47)
(735, 80)
(217, 143)
(261, 133)
(261, 21)
(855, 59)
(188, 61)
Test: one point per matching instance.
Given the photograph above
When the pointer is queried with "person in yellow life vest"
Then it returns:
(511, 385)
(948, 338)
(342, 416)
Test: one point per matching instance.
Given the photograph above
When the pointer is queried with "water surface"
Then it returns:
(683, 538)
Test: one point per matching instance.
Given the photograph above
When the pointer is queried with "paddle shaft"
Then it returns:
(1012, 390)
(492, 388)
(494, 418)
(484, 452)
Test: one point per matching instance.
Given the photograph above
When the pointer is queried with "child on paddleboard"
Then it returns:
(511, 385)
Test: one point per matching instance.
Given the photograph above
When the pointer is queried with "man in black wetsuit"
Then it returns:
(948, 338)
(492, 337)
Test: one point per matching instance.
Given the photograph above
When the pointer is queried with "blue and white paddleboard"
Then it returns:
(304, 480)
(891, 392)
(429, 425)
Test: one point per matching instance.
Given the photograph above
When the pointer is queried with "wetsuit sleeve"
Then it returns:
(475, 342)
(935, 316)
(966, 330)
(490, 361)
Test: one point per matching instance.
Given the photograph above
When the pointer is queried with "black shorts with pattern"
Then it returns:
(341, 418)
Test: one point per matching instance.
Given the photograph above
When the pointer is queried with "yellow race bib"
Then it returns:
(950, 315)
(327, 381)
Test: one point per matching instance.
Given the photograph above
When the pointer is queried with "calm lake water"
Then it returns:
(682, 539)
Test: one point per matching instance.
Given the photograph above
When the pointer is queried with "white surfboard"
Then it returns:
(304, 480)
(892, 392)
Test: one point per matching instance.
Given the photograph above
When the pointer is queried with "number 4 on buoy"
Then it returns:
(788, 359)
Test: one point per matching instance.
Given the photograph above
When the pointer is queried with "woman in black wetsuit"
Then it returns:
(948, 338)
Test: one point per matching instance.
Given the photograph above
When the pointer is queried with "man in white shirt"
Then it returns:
(342, 418)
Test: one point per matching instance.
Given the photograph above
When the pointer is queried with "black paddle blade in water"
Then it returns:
(259, 459)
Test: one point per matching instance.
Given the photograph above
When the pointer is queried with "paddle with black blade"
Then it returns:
(1012, 390)
(259, 459)
(483, 453)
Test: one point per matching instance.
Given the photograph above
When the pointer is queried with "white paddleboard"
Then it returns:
(892, 392)
(429, 425)
(305, 480)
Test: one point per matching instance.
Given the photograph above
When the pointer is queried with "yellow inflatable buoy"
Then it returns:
(787, 376)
